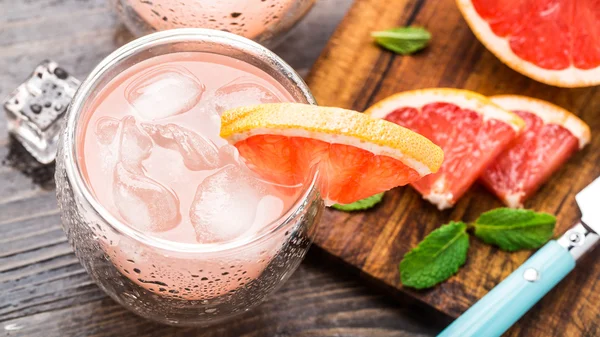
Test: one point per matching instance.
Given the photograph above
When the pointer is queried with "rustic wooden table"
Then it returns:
(43, 289)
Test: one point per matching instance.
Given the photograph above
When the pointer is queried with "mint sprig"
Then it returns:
(360, 205)
(437, 257)
(444, 250)
(403, 40)
(514, 229)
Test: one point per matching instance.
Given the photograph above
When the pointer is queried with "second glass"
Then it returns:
(263, 21)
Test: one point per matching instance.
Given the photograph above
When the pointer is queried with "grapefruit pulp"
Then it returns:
(470, 129)
(551, 136)
(356, 156)
(556, 42)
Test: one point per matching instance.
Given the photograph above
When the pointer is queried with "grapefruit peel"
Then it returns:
(385, 141)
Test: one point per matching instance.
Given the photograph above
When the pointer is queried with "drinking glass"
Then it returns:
(179, 284)
(264, 21)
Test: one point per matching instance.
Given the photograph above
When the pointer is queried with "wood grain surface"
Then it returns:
(354, 73)
(45, 292)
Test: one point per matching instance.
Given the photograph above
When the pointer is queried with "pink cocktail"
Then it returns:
(153, 157)
(162, 212)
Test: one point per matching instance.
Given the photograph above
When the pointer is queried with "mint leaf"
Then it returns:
(437, 257)
(403, 40)
(360, 205)
(514, 229)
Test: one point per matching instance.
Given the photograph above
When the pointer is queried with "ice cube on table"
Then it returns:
(225, 205)
(163, 92)
(198, 152)
(144, 203)
(241, 92)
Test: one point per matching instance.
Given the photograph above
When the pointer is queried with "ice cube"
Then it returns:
(229, 155)
(225, 205)
(207, 121)
(164, 91)
(123, 141)
(106, 129)
(242, 91)
(107, 132)
(35, 109)
(143, 202)
(198, 152)
(269, 209)
(135, 145)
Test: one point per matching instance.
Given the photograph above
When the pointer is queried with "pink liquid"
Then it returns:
(153, 158)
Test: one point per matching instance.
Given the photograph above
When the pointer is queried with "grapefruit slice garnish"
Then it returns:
(357, 156)
(552, 134)
(554, 42)
(470, 129)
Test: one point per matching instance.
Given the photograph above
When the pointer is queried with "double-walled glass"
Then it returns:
(264, 21)
(179, 284)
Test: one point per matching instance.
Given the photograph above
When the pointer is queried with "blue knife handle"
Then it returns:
(507, 302)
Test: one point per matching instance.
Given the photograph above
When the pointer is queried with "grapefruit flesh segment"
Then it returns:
(550, 137)
(356, 156)
(585, 48)
(553, 41)
(460, 123)
(528, 25)
(347, 173)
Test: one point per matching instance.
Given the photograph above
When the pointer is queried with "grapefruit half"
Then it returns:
(555, 42)
(470, 129)
(357, 156)
(552, 134)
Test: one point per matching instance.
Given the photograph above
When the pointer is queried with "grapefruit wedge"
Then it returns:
(554, 42)
(470, 129)
(552, 134)
(357, 156)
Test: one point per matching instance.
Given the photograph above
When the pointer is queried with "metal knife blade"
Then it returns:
(588, 201)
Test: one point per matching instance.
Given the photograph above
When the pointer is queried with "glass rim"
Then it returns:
(73, 168)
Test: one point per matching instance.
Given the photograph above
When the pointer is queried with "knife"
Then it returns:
(512, 298)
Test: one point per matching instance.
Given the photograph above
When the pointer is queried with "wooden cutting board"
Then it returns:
(354, 73)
